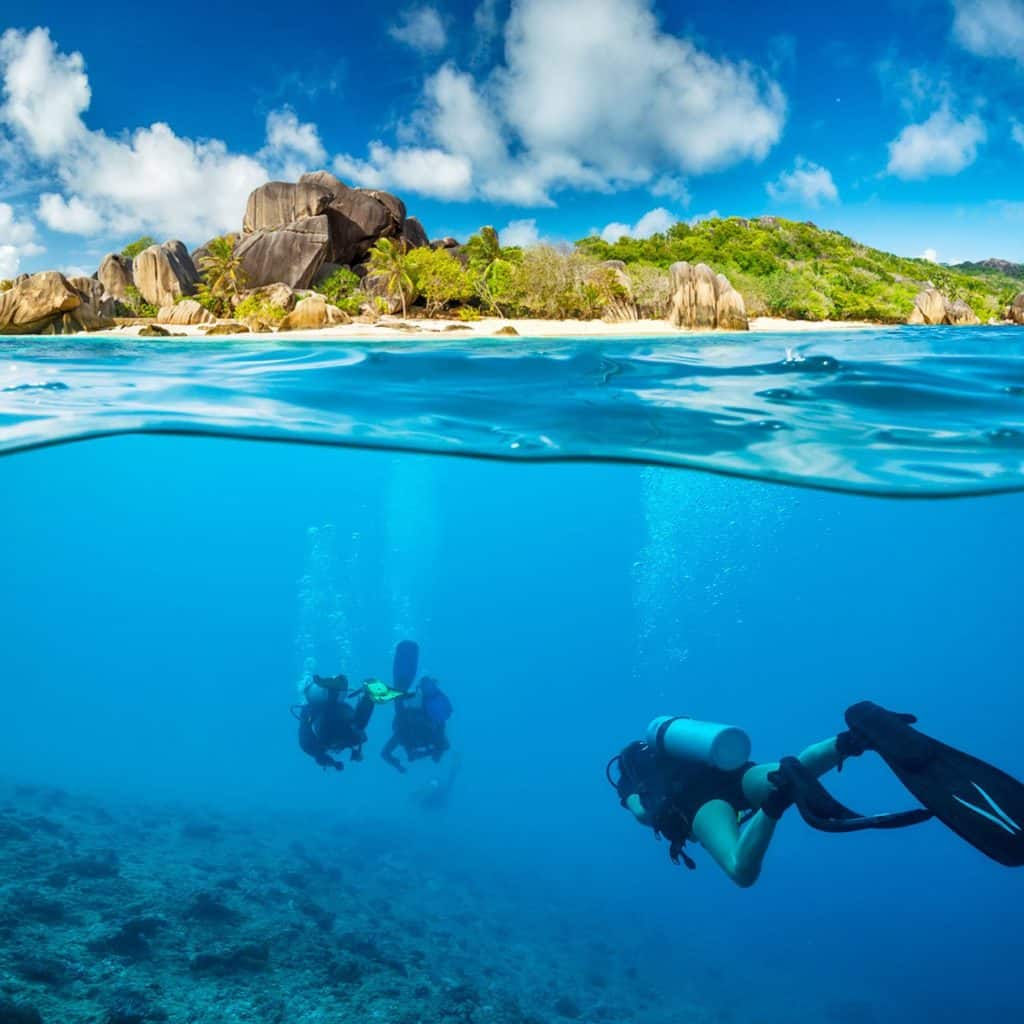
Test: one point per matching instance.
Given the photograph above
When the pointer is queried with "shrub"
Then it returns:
(259, 307)
(6, 284)
(132, 249)
(439, 277)
(223, 277)
(136, 304)
(340, 290)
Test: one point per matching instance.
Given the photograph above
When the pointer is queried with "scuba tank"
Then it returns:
(685, 739)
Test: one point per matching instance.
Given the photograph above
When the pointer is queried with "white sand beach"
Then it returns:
(394, 328)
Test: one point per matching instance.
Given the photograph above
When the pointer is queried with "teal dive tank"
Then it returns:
(687, 739)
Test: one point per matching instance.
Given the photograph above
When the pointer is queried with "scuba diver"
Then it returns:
(329, 724)
(419, 725)
(692, 781)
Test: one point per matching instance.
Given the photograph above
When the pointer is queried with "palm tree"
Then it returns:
(390, 261)
(485, 258)
(222, 270)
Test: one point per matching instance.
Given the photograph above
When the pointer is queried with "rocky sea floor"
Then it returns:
(135, 913)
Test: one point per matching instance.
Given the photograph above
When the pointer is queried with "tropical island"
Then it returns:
(318, 254)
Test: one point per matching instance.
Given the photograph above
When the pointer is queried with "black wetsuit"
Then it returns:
(416, 733)
(334, 725)
(672, 791)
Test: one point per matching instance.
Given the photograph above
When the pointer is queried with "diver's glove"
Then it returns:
(851, 743)
(780, 799)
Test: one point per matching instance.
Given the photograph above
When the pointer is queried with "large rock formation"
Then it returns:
(95, 296)
(703, 300)
(163, 273)
(47, 303)
(291, 255)
(932, 307)
(278, 203)
(414, 234)
(279, 295)
(1016, 311)
(115, 274)
(612, 280)
(187, 313)
(312, 313)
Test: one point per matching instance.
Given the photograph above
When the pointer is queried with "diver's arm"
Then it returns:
(388, 753)
(738, 853)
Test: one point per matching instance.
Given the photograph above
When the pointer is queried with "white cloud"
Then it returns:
(428, 171)
(288, 138)
(656, 221)
(670, 186)
(808, 183)
(593, 95)
(150, 180)
(930, 255)
(1017, 131)
(520, 232)
(421, 28)
(17, 240)
(71, 216)
(44, 91)
(942, 145)
(990, 28)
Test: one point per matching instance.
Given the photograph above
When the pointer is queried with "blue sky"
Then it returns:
(899, 123)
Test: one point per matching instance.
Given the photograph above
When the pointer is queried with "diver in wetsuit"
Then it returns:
(692, 781)
(420, 725)
(329, 724)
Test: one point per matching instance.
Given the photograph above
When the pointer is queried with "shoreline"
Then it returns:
(392, 328)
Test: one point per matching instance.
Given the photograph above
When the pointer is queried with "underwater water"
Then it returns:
(167, 852)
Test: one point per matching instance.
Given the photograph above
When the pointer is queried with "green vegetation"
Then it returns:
(136, 304)
(389, 262)
(439, 278)
(6, 284)
(223, 278)
(259, 307)
(130, 251)
(784, 268)
(341, 289)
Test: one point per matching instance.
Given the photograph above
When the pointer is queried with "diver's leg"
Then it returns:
(738, 853)
(818, 759)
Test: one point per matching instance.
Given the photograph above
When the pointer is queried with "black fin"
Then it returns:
(403, 670)
(980, 803)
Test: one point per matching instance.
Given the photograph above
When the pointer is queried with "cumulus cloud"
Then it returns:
(420, 28)
(68, 215)
(44, 91)
(942, 145)
(147, 180)
(671, 186)
(288, 137)
(930, 255)
(426, 170)
(990, 28)
(1017, 131)
(592, 95)
(654, 222)
(17, 240)
(808, 183)
(520, 232)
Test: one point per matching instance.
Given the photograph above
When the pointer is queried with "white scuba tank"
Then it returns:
(686, 739)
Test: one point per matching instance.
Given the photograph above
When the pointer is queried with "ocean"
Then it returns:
(580, 537)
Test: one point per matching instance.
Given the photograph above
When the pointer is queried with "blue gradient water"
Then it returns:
(162, 596)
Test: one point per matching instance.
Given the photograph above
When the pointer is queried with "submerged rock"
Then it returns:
(18, 1013)
(246, 959)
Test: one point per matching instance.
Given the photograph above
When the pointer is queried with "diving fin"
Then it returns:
(980, 803)
(821, 810)
(407, 659)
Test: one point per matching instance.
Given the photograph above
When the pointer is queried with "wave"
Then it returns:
(893, 412)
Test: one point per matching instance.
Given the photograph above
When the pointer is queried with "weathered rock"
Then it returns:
(313, 313)
(163, 273)
(445, 243)
(186, 313)
(18, 1013)
(228, 328)
(959, 314)
(280, 203)
(291, 255)
(115, 274)
(380, 300)
(101, 303)
(1016, 311)
(508, 331)
(613, 280)
(732, 311)
(35, 303)
(154, 331)
(414, 234)
(702, 300)
(929, 308)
